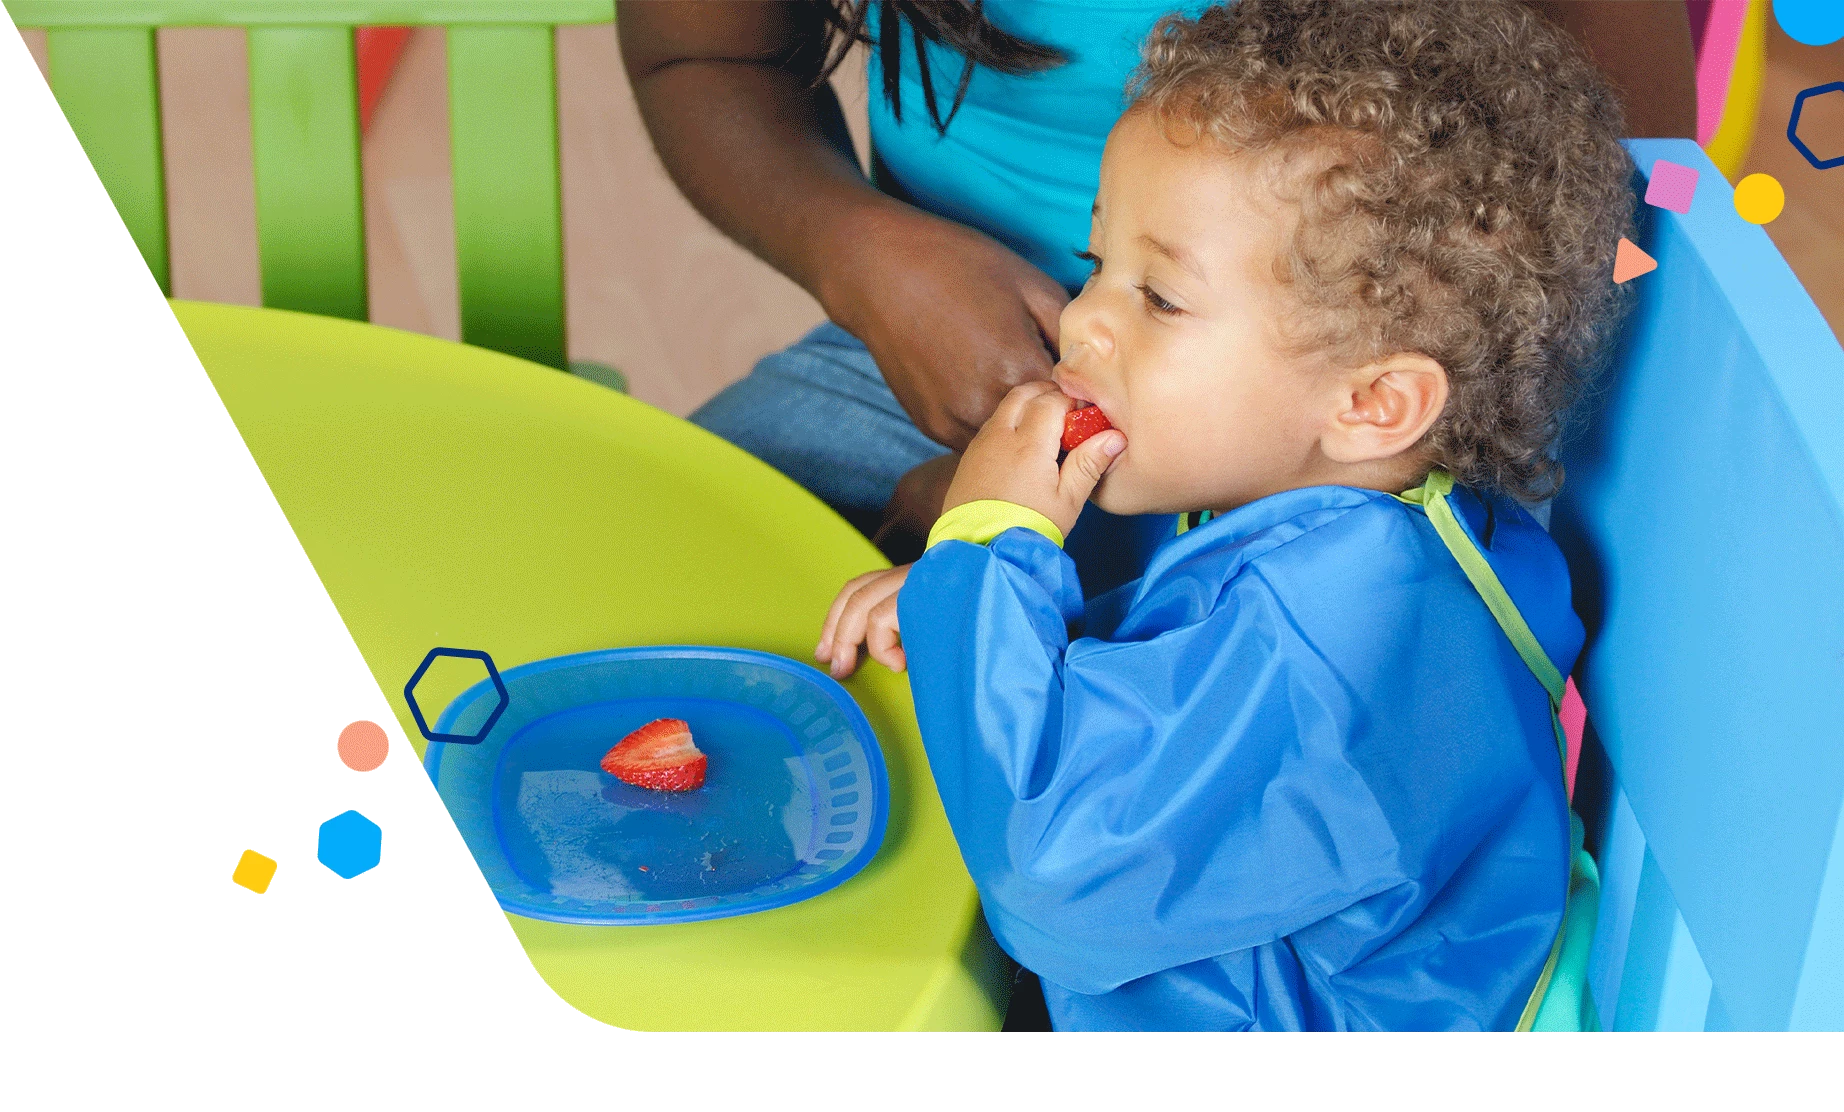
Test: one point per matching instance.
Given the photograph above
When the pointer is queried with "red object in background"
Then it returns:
(378, 49)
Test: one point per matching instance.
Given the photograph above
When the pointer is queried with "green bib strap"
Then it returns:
(1528, 1019)
(1431, 496)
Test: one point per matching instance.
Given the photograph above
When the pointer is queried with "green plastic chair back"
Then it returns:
(304, 131)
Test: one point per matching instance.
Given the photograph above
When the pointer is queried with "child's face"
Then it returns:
(1174, 336)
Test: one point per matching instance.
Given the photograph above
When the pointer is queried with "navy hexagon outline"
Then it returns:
(499, 685)
(1792, 125)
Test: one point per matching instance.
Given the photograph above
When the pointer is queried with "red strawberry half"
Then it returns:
(1080, 424)
(659, 755)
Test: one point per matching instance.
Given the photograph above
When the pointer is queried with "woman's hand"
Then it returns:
(864, 614)
(953, 318)
(1013, 459)
(916, 504)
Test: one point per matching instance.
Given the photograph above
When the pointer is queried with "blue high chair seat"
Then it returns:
(1703, 519)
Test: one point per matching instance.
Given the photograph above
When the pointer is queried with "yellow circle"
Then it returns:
(1759, 198)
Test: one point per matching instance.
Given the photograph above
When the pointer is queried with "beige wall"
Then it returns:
(652, 288)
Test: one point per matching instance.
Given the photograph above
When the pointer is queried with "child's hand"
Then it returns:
(1013, 458)
(864, 614)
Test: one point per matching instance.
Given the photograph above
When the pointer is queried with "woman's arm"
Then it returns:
(953, 318)
(726, 90)
(1644, 48)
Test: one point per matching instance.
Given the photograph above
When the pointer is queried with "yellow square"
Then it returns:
(254, 871)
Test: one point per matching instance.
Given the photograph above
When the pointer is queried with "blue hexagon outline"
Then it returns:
(409, 696)
(1792, 125)
(345, 820)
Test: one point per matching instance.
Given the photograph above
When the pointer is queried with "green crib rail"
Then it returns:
(304, 131)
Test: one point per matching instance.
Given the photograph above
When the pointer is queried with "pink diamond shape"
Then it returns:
(1672, 186)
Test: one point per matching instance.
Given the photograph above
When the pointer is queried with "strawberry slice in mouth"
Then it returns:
(1080, 424)
(659, 755)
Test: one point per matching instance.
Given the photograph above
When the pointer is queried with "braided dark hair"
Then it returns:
(959, 25)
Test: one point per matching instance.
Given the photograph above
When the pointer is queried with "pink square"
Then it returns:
(1672, 186)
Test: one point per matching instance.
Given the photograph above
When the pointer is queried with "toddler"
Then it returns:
(1351, 261)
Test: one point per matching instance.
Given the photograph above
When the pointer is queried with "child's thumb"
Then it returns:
(1088, 462)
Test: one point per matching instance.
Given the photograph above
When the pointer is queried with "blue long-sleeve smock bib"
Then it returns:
(1293, 777)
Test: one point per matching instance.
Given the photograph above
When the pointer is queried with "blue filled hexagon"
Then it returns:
(349, 844)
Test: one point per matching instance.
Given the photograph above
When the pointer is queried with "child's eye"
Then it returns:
(1156, 303)
(1093, 260)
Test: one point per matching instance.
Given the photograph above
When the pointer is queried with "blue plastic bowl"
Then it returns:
(794, 801)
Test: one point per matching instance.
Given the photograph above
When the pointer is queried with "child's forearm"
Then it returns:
(1111, 798)
(990, 622)
(986, 634)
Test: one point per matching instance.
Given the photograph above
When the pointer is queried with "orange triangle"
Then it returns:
(1630, 262)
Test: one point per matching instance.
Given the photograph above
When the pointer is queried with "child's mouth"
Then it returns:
(1069, 385)
(1087, 418)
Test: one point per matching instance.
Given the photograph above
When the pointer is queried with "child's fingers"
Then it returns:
(884, 639)
(849, 633)
(1087, 463)
(1012, 408)
(844, 660)
(832, 638)
(823, 652)
(893, 658)
(1043, 417)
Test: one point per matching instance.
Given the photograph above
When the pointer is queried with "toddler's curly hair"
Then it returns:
(1461, 189)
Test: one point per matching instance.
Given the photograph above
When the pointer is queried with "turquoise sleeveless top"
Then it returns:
(1022, 159)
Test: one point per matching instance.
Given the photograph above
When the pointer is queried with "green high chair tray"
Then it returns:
(449, 495)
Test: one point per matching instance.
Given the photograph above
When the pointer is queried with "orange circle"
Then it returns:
(363, 746)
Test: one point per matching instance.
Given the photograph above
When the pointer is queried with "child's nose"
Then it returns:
(1083, 323)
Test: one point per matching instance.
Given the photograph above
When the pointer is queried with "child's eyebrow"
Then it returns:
(1178, 255)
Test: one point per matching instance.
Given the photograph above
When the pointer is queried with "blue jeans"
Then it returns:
(820, 413)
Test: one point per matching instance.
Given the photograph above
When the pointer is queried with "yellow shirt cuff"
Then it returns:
(979, 522)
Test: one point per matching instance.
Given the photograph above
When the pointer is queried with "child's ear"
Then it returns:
(1385, 408)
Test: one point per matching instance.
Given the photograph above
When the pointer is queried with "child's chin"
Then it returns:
(1117, 498)
(1117, 494)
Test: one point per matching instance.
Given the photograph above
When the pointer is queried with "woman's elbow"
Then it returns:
(655, 37)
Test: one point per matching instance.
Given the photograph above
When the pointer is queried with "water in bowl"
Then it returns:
(570, 828)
